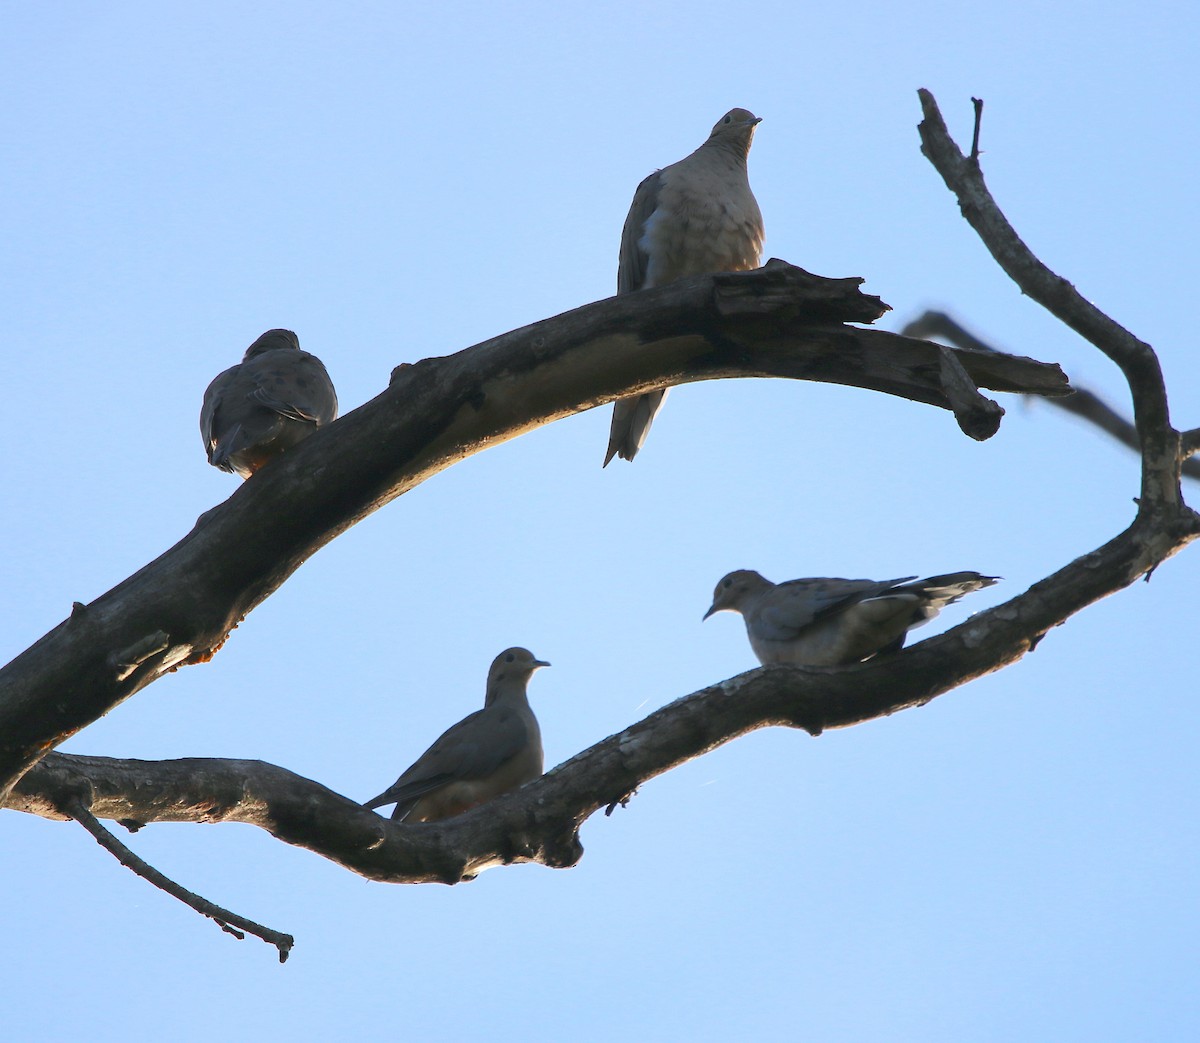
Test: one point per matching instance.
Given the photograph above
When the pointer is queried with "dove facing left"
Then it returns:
(492, 751)
(272, 400)
(831, 622)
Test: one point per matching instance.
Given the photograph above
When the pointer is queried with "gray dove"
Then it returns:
(492, 751)
(830, 622)
(274, 399)
(693, 217)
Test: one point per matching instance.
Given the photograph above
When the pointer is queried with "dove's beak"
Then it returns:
(711, 609)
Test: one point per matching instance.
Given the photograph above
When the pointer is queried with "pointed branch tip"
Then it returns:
(222, 917)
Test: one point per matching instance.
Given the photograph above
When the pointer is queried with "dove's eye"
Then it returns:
(728, 119)
(508, 658)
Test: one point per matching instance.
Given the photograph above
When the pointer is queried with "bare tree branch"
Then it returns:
(461, 409)
(540, 822)
(1083, 403)
(229, 922)
(1158, 440)
(777, 321)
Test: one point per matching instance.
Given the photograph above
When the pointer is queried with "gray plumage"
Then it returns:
(492, 751)
(693, 217)
(272, 400)
(830, 622)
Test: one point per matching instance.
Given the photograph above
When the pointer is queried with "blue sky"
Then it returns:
(1013, 862)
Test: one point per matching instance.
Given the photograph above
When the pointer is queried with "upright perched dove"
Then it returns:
(492, 751)
(693, 217)
(275, 398)
(830, 622)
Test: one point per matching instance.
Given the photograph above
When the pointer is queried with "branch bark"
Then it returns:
(777, 321)
(540, 822)
(1081, 403)
(1159, 441)
(443, 409)
(229, 922)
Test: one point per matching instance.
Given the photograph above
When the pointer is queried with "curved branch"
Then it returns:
(776, 321)
(229, 922)
(1158, 440)
(1083, 403)
(540, 822)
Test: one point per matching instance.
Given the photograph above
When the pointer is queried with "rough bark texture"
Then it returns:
(776, 322)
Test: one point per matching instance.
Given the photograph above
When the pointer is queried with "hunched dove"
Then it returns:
(272, 400)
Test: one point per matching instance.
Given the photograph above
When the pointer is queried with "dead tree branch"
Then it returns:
(1083, 403)
(778, 321)
(1158, 440)
(540, 822)
(444, 409)
(229, 922)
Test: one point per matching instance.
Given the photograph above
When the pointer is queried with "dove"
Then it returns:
(693, 217)
(831, 622)
(492, 751)
(273, 399)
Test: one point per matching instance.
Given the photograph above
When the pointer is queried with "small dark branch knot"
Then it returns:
(978, 103)
(621, 802)
(561, 849)
(808, 719)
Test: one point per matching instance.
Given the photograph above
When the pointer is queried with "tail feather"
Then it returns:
(631, 421)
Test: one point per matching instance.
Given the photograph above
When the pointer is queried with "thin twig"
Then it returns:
(229, 922)
(1083, 403)
(1189, 443)
(978, 103)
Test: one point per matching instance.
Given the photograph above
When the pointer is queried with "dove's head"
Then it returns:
(736, 590)
(513, 664)
(735, 130)
(271, 340)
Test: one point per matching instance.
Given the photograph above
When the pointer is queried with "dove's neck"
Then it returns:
(737, 151)
(510, 690)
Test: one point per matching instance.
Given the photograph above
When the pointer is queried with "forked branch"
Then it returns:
(706, 327)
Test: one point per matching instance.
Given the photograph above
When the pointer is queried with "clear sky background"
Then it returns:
(1015, 861)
